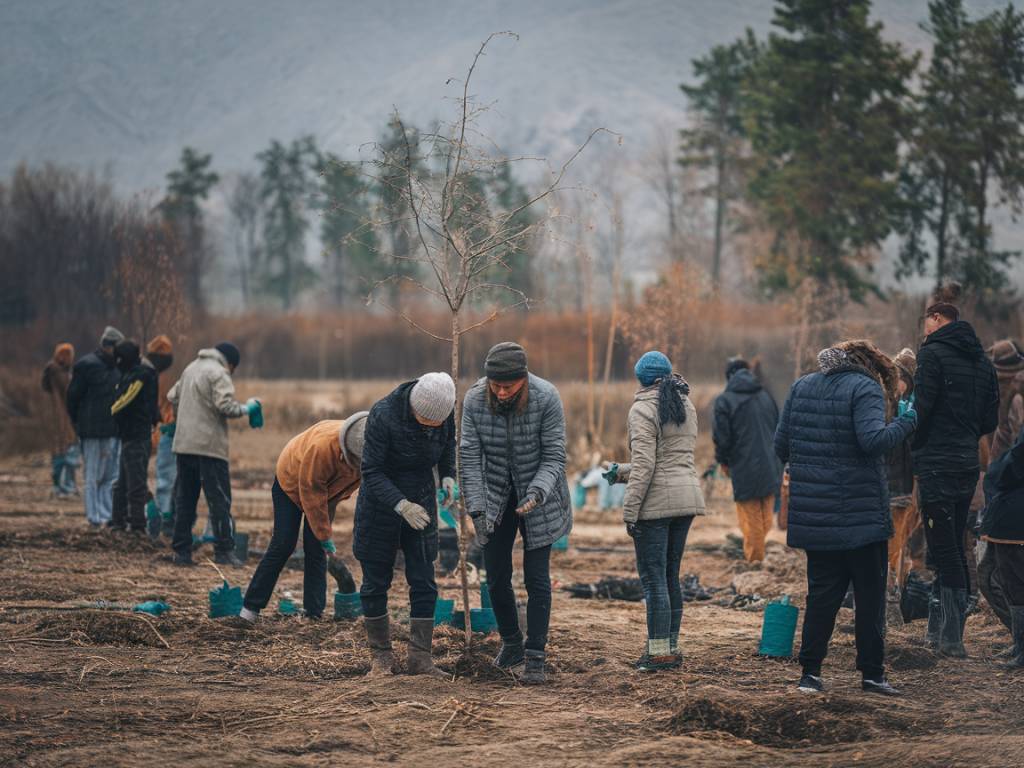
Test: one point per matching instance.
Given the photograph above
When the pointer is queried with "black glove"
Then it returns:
(632, 530)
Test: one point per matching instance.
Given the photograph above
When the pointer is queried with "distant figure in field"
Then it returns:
(956, 395)
(204, 400)
(317, 470)
(834, 436)
(513, 473)
(663, 496)
(905, 517)
(90, 395)
(743, 429)
(408, 448)
(136, 413)
(64, 453)
(160, 354)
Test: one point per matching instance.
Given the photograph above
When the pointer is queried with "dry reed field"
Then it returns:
(85, 686)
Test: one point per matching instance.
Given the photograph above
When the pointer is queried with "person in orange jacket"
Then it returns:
(64, 444)
(316, 470)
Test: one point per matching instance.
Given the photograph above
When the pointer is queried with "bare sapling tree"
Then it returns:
(465, 244)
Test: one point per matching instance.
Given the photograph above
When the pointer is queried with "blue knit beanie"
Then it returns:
(651, 367)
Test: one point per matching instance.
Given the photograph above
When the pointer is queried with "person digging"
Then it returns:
(317, 470)
(409, 435)
(513, 474)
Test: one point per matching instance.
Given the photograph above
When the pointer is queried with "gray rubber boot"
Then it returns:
(511, 657)
(421, 638)
(954, 612)
(378, 637)
(1017, 619)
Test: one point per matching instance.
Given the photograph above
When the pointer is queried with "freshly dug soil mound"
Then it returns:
(97, 628)
(790, 721)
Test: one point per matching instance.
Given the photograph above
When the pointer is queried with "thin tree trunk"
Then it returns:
(463, 524)
(940, 236)
(716, 261)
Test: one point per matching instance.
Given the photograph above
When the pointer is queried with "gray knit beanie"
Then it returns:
(506, 362)
(111, 337)
(433, 396)
(351, 437)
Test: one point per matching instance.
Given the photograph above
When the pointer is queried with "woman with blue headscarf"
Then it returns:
(663, 496)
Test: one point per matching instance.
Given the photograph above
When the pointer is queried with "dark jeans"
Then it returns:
(659, 548)
(210, 475)
(1010, 561)
(945, 524)
(829, 574)
(130, 492)
(288, 519)
(536, 575)
(419, 575)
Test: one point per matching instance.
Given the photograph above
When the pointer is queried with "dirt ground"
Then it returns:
(101, 687)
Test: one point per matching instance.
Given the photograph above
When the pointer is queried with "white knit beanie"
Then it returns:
(433, 396)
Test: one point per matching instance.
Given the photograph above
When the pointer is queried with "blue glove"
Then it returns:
(255, 411)
(168, 429)
(906, 405)
(612, 475)
(329, 547)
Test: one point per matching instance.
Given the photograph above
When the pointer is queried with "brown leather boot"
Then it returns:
(378, 637)
(421, 637)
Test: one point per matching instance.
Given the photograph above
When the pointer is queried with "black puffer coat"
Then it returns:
(956, 395)
(399, 456)
(90, 395)
(1003, 521)
(834, 436)
(746, 417)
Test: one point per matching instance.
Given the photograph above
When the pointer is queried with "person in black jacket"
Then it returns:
(834, 435)
(136, 412)
(408, 448)
(90, 395)
(1003, 529)
(744, 426)
(956, 396)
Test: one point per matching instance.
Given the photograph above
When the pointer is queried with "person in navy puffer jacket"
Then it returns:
(833, 434)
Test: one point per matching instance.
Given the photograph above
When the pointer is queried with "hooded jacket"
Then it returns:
(135, 403)
(834, 436)
(399, 460)
(519, 451)
(1012, 419)
(204, 400)
(1003, 522)
(314, 474)
(956, 395)
(663, 479)
(91, 393)
(745, 419)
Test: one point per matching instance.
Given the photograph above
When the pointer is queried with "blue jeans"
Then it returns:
(288, 519)
(659, 546)
(101, 455)
(62, 466)
(419, 574)
(166, 474)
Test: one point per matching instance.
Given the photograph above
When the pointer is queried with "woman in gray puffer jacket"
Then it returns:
(663, 496)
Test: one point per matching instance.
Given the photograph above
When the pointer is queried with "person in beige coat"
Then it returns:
(663, 495)
(204, 400)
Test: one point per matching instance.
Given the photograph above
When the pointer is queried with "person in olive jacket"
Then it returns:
(956, 395)
(408, 447)
(90, 395)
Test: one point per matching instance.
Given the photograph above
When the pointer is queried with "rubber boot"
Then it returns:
(533, 673)
(512, 657)
(1017, 618)
(951, 633)
(673, 637)
(378, 637)
(421, 637)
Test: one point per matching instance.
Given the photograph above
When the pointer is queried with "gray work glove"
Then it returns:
(415, 515)
(528, 505)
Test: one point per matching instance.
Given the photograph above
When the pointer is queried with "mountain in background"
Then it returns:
(125, 84)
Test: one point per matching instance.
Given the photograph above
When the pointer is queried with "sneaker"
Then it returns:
(228, 558)
(880, 686)
(511, 657)
(648, 663)
(811, 684)
(184, 561)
